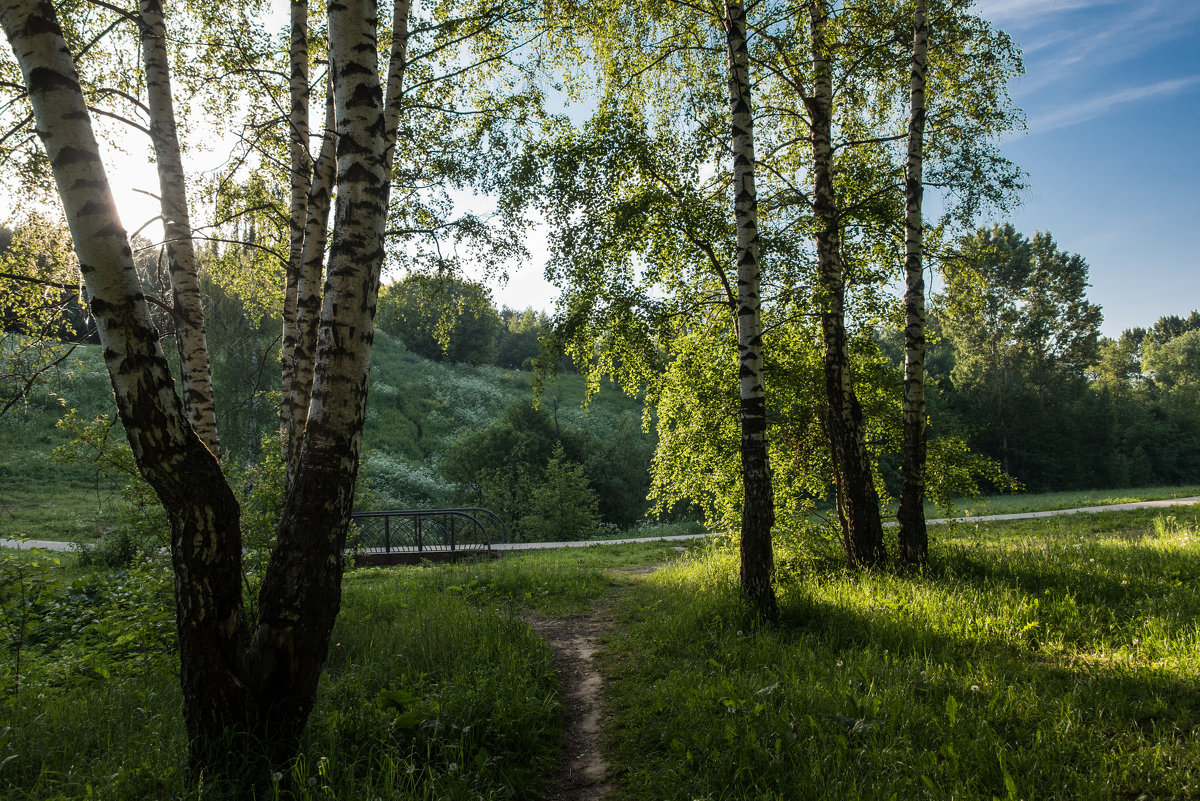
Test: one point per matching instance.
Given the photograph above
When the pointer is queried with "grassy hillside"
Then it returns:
(417, 409)
(42, 496)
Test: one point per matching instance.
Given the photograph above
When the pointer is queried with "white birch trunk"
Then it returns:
(309, 286)
(291, 410)
(758, 511)
(397, 61)
(204, 516)
(195, 375)
(857, 501)
(301, 591)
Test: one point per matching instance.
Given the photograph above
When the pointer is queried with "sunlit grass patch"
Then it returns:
(1031, 660)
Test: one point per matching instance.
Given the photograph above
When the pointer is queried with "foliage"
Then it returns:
(520, 341)
(40, 310)
(441, 317)
(1024, 333)
(397, 482)
(563, 506)
(435, 689)
(140, 527)
(23, 586)
(510, 467)
(244, 356)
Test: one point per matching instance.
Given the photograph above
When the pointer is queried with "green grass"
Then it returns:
(435, 687)
(1052, 658)
(1042, 659)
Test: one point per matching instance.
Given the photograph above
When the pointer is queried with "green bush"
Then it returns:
(562, 506)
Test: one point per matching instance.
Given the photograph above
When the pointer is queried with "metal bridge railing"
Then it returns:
(416, 533)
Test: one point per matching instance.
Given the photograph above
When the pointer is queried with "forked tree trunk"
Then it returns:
(195, 375)
(205, 533)
(758, 509)
(857, 502)
(301, 591)
(913, 540)
(239, 702)
(302, 358)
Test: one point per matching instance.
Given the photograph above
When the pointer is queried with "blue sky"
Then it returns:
(1112, 100)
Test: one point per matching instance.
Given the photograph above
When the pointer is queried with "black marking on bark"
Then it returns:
(360, 172)
(45, 79)
(365, 96)
(74, 155)
(354, 68)
(42, 22)
(89, 183)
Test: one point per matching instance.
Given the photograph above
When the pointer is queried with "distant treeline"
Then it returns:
(1017, 365)
(446, 318)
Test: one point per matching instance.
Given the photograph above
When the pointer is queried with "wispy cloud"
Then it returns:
(1104, 104)
(1067, 40)
(1004, 11)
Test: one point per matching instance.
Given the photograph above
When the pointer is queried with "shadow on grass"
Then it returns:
(967, 681)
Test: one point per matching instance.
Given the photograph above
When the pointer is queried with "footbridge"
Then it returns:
(410, 536)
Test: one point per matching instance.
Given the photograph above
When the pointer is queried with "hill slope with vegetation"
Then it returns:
(437, 434)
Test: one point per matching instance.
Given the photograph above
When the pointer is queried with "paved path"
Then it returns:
(51, 545)
(1112, 507)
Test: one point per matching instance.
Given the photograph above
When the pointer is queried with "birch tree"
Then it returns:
(685, 37)
(195, 374)
(246, 684)
(857, 501)
(913, 539)
(837, 84)
(758, 511)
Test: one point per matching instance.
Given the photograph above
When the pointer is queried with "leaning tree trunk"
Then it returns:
(301, 591)
(195, 376)
(204, 516)
(758, 509)
(913, 539)
(309, 287)
(857, 502)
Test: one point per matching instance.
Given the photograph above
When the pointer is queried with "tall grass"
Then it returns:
(435, 687)
(1048, 659)
(1053, 658)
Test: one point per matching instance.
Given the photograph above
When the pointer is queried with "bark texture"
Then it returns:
(291, 409)
(857, 501)
(195, 375)
(758, 510)
(913, 539)
(309, 286)
(301, 591)
(205, 534)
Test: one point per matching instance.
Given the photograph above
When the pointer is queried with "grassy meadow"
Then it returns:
(1053, 658)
